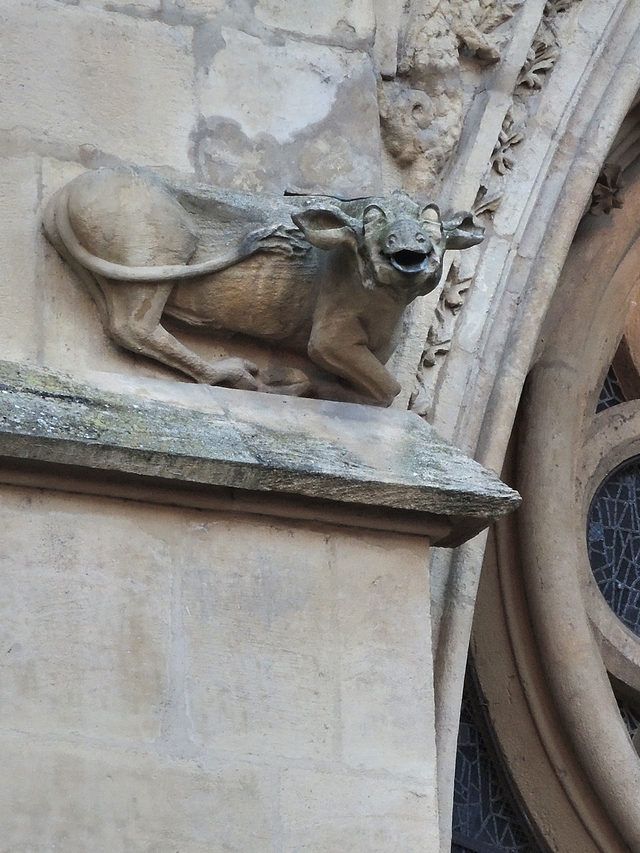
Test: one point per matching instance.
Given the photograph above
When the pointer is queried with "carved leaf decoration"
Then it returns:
(540, 59)
(454, 293)
(545, 50)
(472, 21)
(604, 197)
(434, 349)
(439, 336)
(512, 134)
(556, 7)
(421, 107)
(486, 202)
(452, 297)
(494, 14)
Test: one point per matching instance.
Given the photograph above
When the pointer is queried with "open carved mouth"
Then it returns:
(409, 261)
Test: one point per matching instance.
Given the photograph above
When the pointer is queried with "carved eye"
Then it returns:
(391, 240)
(420, 238)
(420, 115)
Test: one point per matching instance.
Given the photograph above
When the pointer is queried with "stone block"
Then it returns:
(299, 84)
(79, 800)
(386, 678)
(19, 291)
(207, 8)
(342, 452)
(313, 124)
(332, 18)
(259, 639)
(325, 812)
(77, 75)
(137, 8)
(84, 630)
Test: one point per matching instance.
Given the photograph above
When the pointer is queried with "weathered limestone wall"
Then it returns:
(248, 685)
(183, 679)
(197, 681)
(205, 680)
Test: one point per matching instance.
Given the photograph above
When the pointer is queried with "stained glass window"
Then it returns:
(611, 393)
(486, 817)
(630, 713)
(613, 539)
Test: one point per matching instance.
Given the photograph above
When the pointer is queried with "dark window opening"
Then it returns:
(486, 816)
(611, 394)
(613, 541)
(630, 713)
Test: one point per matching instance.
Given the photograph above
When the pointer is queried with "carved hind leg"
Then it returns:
(134, 313)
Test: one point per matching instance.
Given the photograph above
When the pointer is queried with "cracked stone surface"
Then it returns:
(335, 451)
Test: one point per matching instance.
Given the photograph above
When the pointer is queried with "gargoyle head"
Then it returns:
(398, 243)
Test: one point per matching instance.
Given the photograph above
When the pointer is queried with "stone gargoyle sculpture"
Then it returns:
(316, 274)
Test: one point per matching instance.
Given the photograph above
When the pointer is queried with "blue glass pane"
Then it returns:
(486, 819)
(613, 540)
(611, 393)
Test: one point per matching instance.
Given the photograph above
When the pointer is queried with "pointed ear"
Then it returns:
(461, 231)
(373, 216)
(431, 214)
(326, 227)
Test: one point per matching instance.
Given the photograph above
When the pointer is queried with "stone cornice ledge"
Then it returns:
(335, 454)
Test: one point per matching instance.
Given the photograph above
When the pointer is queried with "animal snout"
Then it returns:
(408, 247)
(409, 255)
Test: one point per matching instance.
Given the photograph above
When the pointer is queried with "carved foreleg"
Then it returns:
(134, 313)
(341, 347)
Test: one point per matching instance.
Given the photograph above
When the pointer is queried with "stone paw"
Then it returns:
(284, 380)
(236, 373)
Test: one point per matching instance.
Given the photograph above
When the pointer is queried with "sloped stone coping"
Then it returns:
(342, 455)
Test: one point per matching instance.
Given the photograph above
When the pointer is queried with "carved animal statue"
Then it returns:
(308, 273)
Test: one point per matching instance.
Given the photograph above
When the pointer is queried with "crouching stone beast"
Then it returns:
(306, 273)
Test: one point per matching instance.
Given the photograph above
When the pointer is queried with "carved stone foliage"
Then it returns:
(421, 107)
(486, 202)
(511, 134)
(318, 276)
(472, 21)
(450, 302)
(541, 58)
(604, 198)
(554, 7)
(440, 332)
